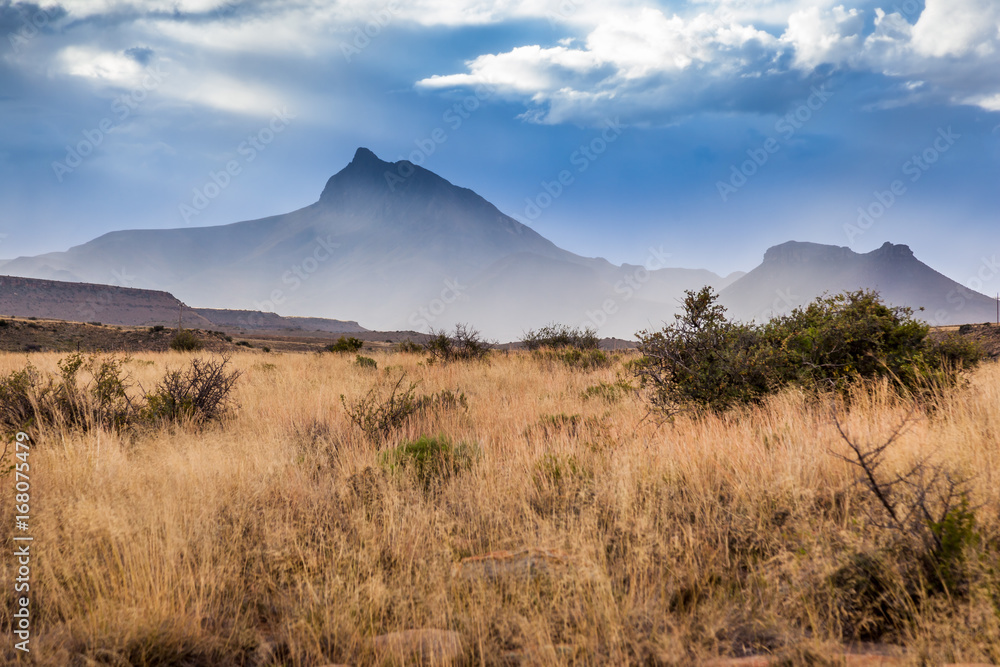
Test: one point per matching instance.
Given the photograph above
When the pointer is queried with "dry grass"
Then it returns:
(278, 537)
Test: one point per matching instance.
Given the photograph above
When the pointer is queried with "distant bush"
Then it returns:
(408, 346)
(265, 348)
(96, 324)
(344, 344)
(185, 341)
(244, 343)
(706, 361)
(366, 362)
(463, 344)
(157, 328)
(432, 459)
(4, 324)
(560, 336)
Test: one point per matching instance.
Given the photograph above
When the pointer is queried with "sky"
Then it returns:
(708, 130)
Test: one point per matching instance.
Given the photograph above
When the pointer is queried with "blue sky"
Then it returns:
(712, 129)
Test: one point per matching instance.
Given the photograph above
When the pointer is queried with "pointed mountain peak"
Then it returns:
(364, 156)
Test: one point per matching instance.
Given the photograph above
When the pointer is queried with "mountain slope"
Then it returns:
(794, 273)
(381, 246)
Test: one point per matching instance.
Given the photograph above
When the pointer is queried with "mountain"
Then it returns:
(793, 274)
(82, 302)
(391, 245)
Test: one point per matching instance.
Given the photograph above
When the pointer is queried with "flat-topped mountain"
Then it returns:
(794, 273)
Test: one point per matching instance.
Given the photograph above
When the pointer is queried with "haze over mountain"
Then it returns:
(391, 245)
(395, 246)
(793, 274)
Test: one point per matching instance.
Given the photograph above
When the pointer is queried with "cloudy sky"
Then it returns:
(711, 128)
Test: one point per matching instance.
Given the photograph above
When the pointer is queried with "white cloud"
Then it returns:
(824, 36)
(957, 27)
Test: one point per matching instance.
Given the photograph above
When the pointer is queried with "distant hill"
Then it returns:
(84, 302)
(793, 274)
(254, 320)
(128, 306)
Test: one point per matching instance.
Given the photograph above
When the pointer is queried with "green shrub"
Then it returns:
(612, 393)
(558, 336)
(185, 341)
(344, 344)
(408, 346)
(705, 361)
(432, 459)
(366, 362)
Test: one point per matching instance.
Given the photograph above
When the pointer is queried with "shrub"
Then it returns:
(366, 362)
(4, 324)
(377, 416)
(837, 340)
(408, 346)
(96, 324)
(29, 400)
(201, 393)
(465, 343)
(156, 328)
(584, 359)
(432, 459)
(243, 343)
(344, 344)
(612, 393)
(560, 336)
(185, 341)
(706, 361)
(702, 360)
(18, 392)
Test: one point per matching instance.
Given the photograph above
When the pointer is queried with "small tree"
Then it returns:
(702, 360)
(185, 341)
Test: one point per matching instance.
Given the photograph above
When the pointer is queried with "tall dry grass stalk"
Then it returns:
(279, 537)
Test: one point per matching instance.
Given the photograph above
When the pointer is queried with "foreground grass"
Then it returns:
(281, 537)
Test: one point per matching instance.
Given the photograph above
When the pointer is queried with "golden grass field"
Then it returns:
(279, 537)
